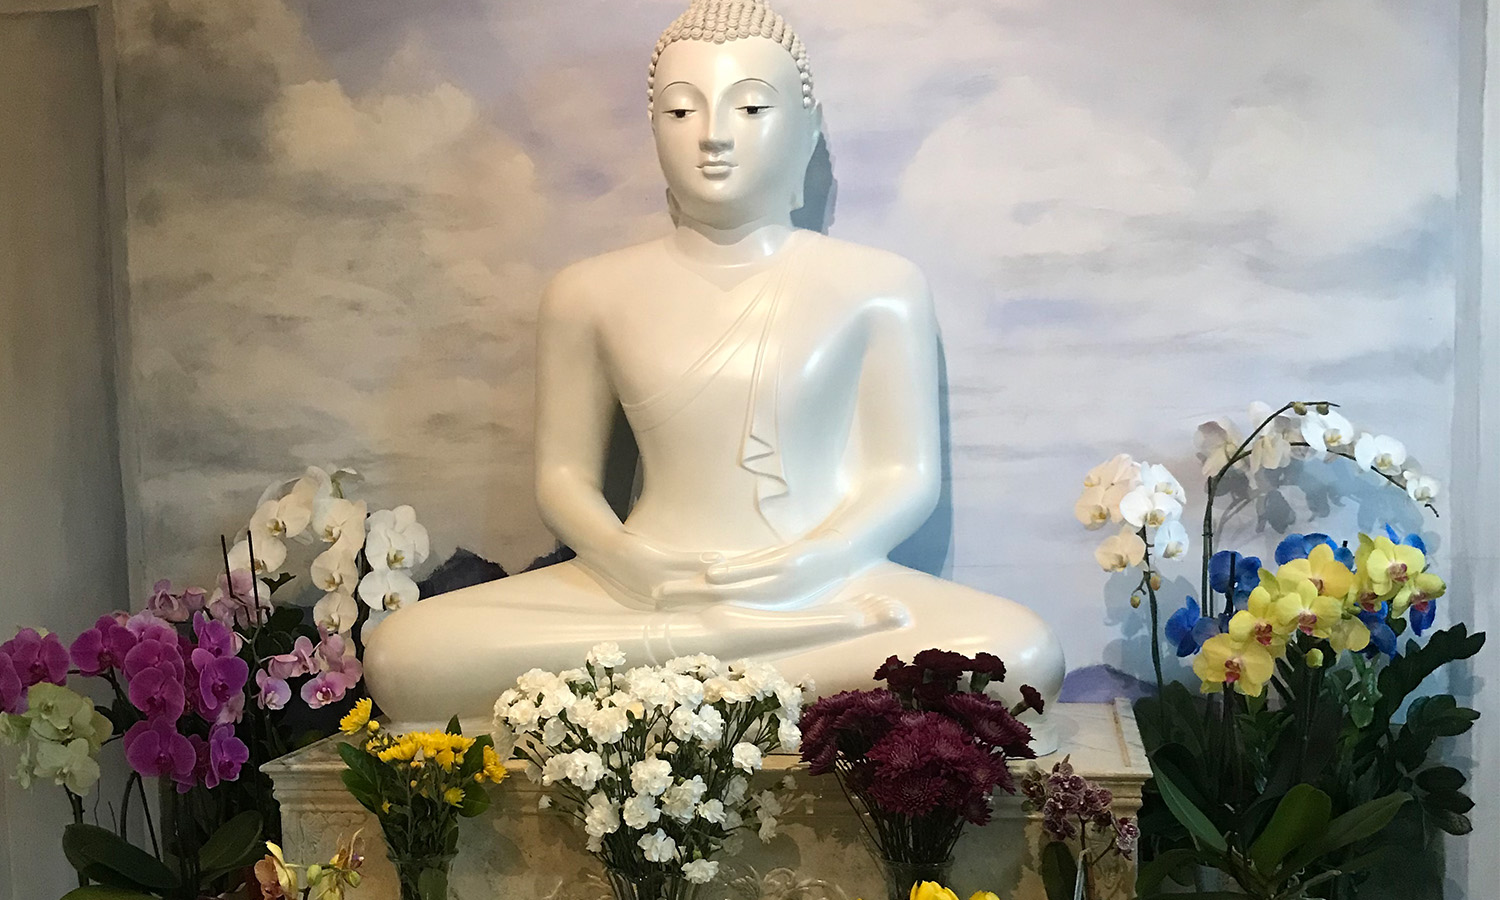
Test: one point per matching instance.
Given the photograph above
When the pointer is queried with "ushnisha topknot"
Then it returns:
(730, 20)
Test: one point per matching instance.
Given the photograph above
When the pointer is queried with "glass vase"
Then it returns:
(423, 877)
(902, 876)
(653, 886)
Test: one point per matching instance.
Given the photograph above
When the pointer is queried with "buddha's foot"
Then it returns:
(878, 612)
(728, 630)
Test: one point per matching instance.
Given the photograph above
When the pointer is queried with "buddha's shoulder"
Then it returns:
(580, 278)
(867, 270)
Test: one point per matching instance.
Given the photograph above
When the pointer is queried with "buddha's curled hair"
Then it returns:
(720, 21)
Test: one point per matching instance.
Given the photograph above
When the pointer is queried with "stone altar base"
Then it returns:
(516, 850)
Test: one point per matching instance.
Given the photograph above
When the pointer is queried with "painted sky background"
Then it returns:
(1134, 217)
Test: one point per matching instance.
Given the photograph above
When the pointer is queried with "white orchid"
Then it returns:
(1271, 449)
(1144, 507)
(288, 516)
(1121, 551)
(1103, 487)
(1327, 431)
(396, 540)
(270, 555)
(335, 570)
(1380, 452)
(336, 519)
(1216, 443)
(337, 612)
(388, 589)
(1419, 487)
(1172, 540)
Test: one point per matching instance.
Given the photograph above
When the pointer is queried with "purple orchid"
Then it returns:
(274, 692)
(146, 624)
(298, 662)
(103, 647)
(215, 638)
(226, 755)
(37, 658)
(326, 688)
(221, 682)
(167, 605)
(158, 693)
(12, 692)
(154, 749)
(239, 600)
(153, 653)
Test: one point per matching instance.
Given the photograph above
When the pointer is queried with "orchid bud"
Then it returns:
(1299, 408)
(1315, 658)
(1322, 409)
(1155, 582)
(1135, 601)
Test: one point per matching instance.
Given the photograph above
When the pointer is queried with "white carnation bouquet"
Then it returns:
(655, 761)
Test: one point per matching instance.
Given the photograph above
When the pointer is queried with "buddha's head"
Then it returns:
(733, 112)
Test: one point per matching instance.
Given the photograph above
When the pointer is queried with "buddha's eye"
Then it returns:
(678, 113)
(754, 109)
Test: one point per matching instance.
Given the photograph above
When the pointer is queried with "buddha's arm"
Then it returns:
(575, 411)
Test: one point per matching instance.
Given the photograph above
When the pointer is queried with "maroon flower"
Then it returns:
(991, 723)
(891, 664)
(155, 749)
(1031, 698)
(989, 664)
(12, 692)
(943, 663)
(1127, 836)
(928, 762)
(36, 658)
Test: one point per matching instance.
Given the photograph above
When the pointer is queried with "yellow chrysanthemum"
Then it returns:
(494, 767)
(356, 717)
(1223, 660)
(454, 796)
(931, 890)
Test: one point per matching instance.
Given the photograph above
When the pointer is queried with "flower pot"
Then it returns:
(901, 876)
(654, 886)
(423, 877)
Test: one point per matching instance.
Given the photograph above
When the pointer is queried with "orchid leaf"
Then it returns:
(1191, 817)
(1300, 818)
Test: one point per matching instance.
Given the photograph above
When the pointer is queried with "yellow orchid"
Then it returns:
(1307, 611)
(1418, 589)
(1258, 623)
(1349, 634)
(1386, 565)
(1245, 664)
(277, 879)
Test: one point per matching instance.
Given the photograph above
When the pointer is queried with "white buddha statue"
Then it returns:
(782, 388)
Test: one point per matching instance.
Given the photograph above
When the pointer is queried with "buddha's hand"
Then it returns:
(640, 566)
(771, 577)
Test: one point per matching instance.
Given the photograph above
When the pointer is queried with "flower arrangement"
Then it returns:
(922, 755)
(280, 880)
(418, 785)
(1072, 807)
(931, 890)
(1293, 762)
(655, 761)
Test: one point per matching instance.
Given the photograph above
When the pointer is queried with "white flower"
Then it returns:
(288, 516)
(584, 768)
(789, 735)
(651, 776)
(334, 570)
(790, 697)
(768, 826)
(1144, 506)
(1172, 540)
(1271, 449)
(606, 656)
(729, 690)
(1121, 551)
(270, 555)
(601, 816)
(336, 612)
(746, 756)
(685, 690)
(534, 681)
(544, 802)
(680, 801)
(658, 847)
(1419, 487)
(397, 540)
(556, 699)
(336, 519)
(522, 715)
(574, 676)
(1091, 510)
(700, 871)
(1216, 443)
(553, 732)
(767, 804)
(607, 725)
(734, 794)
(732, 820)
(640, 811)
(1103, 487)
(1329, 431)
(711, 811)
(1379, 452)
(1161, 481)
(388, 589)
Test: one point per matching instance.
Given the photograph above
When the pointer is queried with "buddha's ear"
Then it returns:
(815, 136)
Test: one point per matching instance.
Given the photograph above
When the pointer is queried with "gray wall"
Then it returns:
(62, 531)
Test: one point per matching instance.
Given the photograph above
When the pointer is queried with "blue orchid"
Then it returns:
(1382, 638)
(1188, 628)
(1298, 546)
(1421, 615)
(1244, 569)
(1410, 540)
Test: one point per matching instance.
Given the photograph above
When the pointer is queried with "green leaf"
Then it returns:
(1192, 818)
(237, 843)
(1059, 871)
(1440, 778)
(89, 846)
(432, 884)
(95, 892)
(1300, 818)
(1451, 822)
(1357, 824)
(453, 726)
(1153, 873)
(1202, 895)
(476, 801)
(361, 791)
(1452, 801)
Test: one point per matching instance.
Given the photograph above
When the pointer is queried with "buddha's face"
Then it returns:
(732, 134)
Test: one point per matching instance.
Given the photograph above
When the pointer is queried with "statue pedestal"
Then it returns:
(518, 850)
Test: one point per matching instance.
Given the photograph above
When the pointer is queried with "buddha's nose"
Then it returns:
(717, 139)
